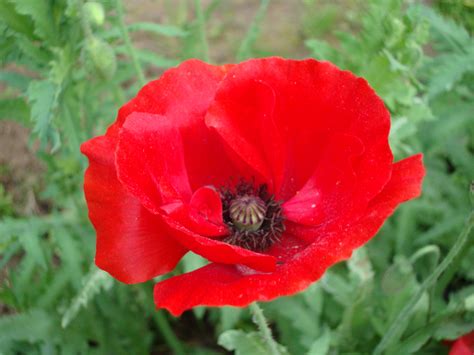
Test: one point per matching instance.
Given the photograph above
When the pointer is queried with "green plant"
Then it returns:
(66, 70)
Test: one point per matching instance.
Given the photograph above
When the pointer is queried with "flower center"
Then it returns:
(247, 212)
(254, 218)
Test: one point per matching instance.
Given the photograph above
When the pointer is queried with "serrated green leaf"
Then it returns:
(41, 13)
(69, 252)
(38, 57)
(30, 240)
(96, 281)
(455, 36)
(42, 96)
(447, 70)
(15, 21)
(453, 328)
(244, 343)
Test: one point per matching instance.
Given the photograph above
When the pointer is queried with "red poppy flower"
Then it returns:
(464, 345)
(271, 169)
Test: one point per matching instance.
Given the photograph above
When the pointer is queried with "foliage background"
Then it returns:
(68, 65)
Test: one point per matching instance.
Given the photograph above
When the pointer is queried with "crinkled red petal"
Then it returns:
(133, 245)
(218, 285)
(150, 161)
(183, 95)
(279, 115)
(203, 215)
(330, 194)
(220, 252)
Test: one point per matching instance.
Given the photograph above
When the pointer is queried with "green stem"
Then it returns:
(244, 51)
(202, 30)
(397, 325)
(128, 43)
(168, 334)
(449, 273)
(265, 330)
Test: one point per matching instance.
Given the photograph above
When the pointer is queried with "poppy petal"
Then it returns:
(224, 114)
(218, 285)
(463, 345)
(280, 114)
(220, 252)
(133, 245)
(183, 95)
(203, 215)
(150, 161)
(329, 192)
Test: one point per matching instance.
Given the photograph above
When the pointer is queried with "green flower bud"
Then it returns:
(94, 13)
(102, 56)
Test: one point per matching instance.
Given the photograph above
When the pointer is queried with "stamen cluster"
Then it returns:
(254, 218)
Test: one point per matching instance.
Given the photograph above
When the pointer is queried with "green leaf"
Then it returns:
(38, 56)
(96, 281)
(14, 20)
(30, 241)
(448, 69)
(42, 14)
(321, 344)
(35, 325)
(453, 328)
(43, 96)
(69, 252)
(322, 50)
(244, 343)
(455, 36)
(229, 317)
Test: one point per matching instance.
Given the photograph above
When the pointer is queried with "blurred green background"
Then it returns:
(68, 65)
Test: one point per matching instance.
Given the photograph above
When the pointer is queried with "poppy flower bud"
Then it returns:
(102, 57)
(94, 13)
(247, 212)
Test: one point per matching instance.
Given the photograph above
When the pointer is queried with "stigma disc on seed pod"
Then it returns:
(248, 212)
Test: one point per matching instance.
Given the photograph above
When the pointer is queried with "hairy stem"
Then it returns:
(261, 321)
(128, 43)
